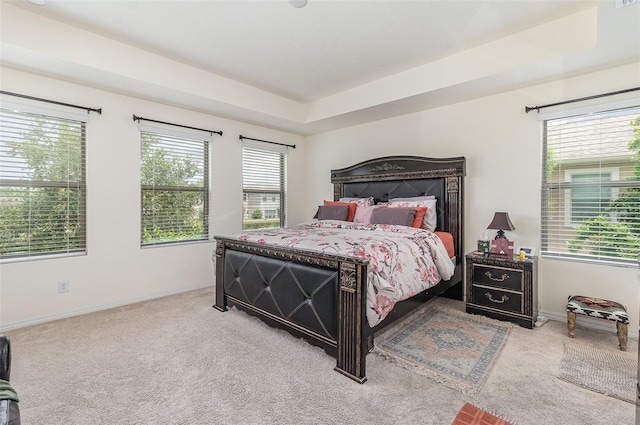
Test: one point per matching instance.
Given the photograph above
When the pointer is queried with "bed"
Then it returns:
(322, 296)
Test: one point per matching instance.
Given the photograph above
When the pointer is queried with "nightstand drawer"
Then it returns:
(497, 277)
(495, 298)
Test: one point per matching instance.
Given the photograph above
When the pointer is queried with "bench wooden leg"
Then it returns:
(571, 324)
(623, 329)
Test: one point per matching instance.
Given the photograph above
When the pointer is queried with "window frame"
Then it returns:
(266, 194)
(205, 189)
(616, 185)
(58, 117)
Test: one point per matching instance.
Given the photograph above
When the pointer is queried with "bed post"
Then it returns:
(454, 214)
(352, 345)
(221, 300)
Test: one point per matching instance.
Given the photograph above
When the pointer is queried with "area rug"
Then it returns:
(454, 348)
(601, 371)
(472, 415)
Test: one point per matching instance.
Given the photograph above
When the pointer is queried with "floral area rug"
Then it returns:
(454, 348)
(471, 415)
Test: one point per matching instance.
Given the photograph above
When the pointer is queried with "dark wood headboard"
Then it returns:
(407, 176)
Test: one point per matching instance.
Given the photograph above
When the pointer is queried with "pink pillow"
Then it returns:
(363, 214)
(413, 199)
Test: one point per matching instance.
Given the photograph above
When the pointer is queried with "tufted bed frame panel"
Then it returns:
(321, 297)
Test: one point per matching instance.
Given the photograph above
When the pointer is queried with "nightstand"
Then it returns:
(502, 288)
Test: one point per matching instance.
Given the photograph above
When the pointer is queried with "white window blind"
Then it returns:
(264, 187)
(175, 187)
(42, 184)
(591, 187)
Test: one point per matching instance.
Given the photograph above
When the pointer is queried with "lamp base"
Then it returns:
(500, 235)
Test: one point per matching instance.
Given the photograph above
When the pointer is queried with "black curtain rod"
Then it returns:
(266, 141)
(527, 109)
(39, 99)
(137, 118)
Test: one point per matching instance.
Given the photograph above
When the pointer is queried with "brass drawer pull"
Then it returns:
(496, 279)
(504, 298)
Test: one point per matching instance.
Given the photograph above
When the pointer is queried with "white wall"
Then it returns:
(502, 146)
(501, 143)
(116, 270)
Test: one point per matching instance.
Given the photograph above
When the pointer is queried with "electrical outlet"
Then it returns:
(63, 286)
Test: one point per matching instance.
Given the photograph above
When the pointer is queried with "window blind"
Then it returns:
(42, 184)
(174, 186)
(591, 187)
(263, 186)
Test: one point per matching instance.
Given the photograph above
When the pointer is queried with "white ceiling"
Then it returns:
(307, 55)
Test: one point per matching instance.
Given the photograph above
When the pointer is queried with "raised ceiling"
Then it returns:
(310, 63)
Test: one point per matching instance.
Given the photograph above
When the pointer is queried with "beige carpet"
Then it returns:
(176, 360)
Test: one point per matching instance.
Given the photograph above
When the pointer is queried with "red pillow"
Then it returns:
(352, 208)
(420, 212)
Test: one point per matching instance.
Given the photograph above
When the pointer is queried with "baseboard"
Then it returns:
(591, 322)
(43, 319)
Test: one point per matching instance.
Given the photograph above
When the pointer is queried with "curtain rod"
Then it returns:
(527, 109)
(266, 141)
(39, 99)
(137, 118)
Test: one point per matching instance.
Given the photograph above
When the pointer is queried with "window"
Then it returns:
(591, 187)
(175, 186)
(588, 197)
(263, 186)
(42, 183)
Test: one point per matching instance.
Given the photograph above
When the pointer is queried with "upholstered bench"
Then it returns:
(601, 309)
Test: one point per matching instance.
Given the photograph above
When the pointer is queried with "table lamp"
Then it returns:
(501, 222)
(501, 246)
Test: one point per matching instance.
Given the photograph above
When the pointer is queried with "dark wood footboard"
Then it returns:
(320, 298)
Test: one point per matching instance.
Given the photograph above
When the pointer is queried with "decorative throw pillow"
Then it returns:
(399, 216)
(332, 212)
(363, 214)
(430, 221)
(420, 212)
(352, 207)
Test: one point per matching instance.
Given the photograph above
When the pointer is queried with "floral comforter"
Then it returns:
(403, 261)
